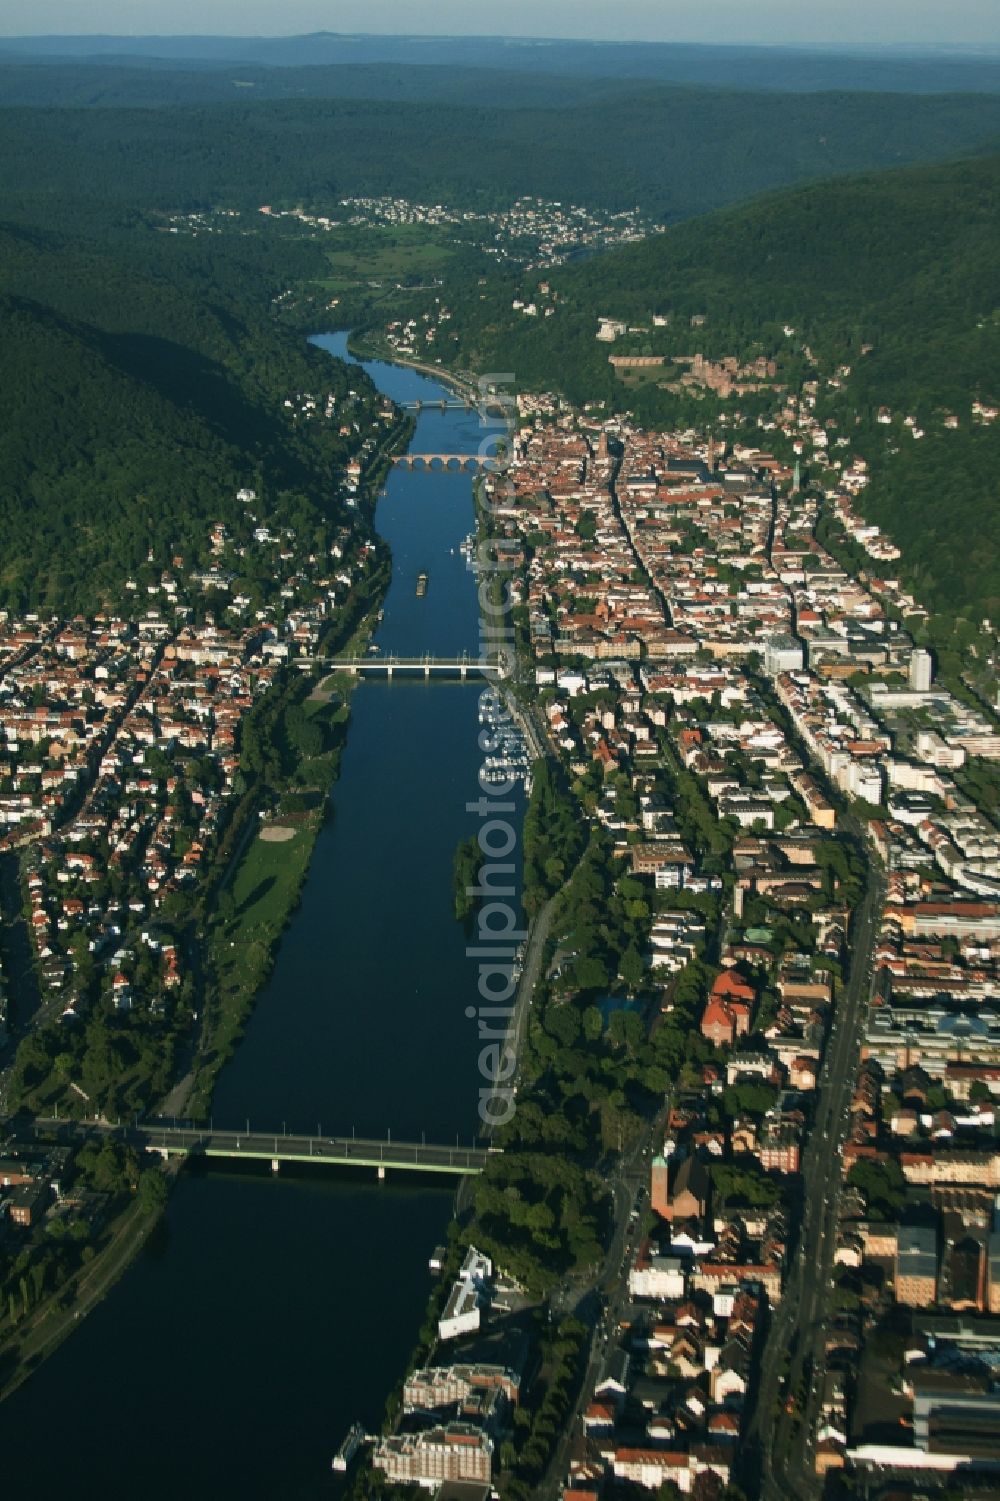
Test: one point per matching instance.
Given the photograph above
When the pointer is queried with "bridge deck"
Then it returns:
(263, 1146)
(332, 1151)
(426, 665)
(445, 460)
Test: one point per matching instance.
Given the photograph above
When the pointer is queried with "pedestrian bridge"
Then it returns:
(427, 666)
(277, 1147)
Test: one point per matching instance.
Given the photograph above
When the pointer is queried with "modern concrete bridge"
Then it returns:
(428, 666)
(169, 1140)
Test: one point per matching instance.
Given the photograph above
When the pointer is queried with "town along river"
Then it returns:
(270, 1312)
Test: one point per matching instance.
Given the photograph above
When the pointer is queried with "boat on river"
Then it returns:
(352, 1443)
(421, 585)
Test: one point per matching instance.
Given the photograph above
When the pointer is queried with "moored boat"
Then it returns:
(352, 1443)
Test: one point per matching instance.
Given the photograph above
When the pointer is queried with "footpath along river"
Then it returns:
(267, 1313)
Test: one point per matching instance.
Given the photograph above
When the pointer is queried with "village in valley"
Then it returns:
(761, 751)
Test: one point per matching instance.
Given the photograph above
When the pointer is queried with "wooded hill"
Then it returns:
(788, 68)
(904, 261)
(136, 403)
(674, 152)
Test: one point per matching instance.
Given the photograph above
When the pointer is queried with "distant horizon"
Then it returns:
(900, 27)
(838, 47)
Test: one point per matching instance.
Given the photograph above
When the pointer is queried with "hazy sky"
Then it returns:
(956, 23)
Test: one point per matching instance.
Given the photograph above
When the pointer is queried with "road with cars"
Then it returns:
(590, 1301)
(794, 1354)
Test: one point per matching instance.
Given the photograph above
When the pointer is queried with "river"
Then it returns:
(267, 1313)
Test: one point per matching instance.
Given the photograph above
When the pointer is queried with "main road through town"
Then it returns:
(783, 1441)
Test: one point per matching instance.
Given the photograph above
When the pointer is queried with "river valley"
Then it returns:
(267, 1313)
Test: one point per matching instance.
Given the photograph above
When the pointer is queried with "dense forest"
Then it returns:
(144, 382)
(904, 262)
(497, 81)
(673, 152)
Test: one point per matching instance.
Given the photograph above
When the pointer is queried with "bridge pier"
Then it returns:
(381, 1174)
(388, 671)
(464, 672)
(275, 1165)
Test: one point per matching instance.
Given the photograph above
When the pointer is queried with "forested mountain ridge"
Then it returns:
(893, 275)
(673, 152)
(143, 385)
(788, 68)
(97, 465)
(121, 81)
(887, 259)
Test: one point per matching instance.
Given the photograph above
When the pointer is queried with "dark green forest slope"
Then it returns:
(143, 385)
(899, 260)
(674, 152)
(906, 262)
(148, 83)
(498, 79)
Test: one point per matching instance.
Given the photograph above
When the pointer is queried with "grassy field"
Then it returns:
(245, 931)
(266, 884)
(257, 902)
(409, 253)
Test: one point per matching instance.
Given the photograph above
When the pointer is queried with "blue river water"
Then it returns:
(270, 1312)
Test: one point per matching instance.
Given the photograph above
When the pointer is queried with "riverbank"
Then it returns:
(239, 913)
(251, 910)
(365, 347)
(256, 901)
(248, 910)
(45, 1329)
(364, 1005)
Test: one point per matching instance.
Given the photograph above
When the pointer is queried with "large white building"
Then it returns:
(658, 1277)
(921, 670)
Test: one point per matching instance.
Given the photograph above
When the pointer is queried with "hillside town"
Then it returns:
(531, 233)
(122, 770)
